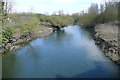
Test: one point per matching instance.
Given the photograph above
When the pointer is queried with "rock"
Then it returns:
(7, 47)
(2, 50)
(14, 48)
(14, 40)
(46, 24)
(108, 44)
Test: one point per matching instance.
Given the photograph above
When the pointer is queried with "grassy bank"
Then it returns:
(20, 29)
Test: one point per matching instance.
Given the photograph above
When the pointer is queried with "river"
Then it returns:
(67, 53)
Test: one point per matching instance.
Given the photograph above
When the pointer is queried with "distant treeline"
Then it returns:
(107, 12)
(57, 21)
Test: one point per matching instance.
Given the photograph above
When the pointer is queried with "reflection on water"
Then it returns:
(68, 53)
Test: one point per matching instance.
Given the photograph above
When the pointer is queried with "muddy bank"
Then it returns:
(20, 40)
(106, 37)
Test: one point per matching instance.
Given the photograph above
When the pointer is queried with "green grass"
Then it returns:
(25, 24)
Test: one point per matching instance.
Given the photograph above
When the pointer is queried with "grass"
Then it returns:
(22, 25)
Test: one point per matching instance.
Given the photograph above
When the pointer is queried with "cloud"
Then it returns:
(68, 6)
(97, 1)
(64, 1)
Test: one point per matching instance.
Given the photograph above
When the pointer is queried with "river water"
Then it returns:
(67, 53)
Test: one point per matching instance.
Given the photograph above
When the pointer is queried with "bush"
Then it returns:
(108, 13)
(7, 34)
(57, 20)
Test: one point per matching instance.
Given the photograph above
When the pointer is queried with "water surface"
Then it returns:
(67, 53)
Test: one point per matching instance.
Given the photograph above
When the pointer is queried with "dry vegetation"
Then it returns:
(108, 31)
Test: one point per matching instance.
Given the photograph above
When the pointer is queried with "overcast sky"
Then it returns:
(43, 6)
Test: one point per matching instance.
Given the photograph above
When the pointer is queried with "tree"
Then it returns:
(76, 18)
(109, 14)
(1, 18)
(61, 12)
(1, 6)
(1, 11)
(31, 9)
(93, 9)
(102, 8)
(119, 12)
(7, 9)
(54, 13)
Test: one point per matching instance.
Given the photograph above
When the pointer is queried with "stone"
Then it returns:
(14, 48)
(14, 40)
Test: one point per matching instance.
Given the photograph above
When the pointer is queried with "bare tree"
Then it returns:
(93, 9)
(1, 19)
(8, 6)
(54, 13)
(7, 9)
(1, 11)
(31, 9)
(102, 8)
(61, 12)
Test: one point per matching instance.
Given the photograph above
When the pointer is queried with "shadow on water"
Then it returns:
(97, 72)
(11, 68)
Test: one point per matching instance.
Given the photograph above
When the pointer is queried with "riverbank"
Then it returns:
(20, 40)
(106, 37)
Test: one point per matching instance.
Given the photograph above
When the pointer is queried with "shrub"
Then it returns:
(7, 34)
